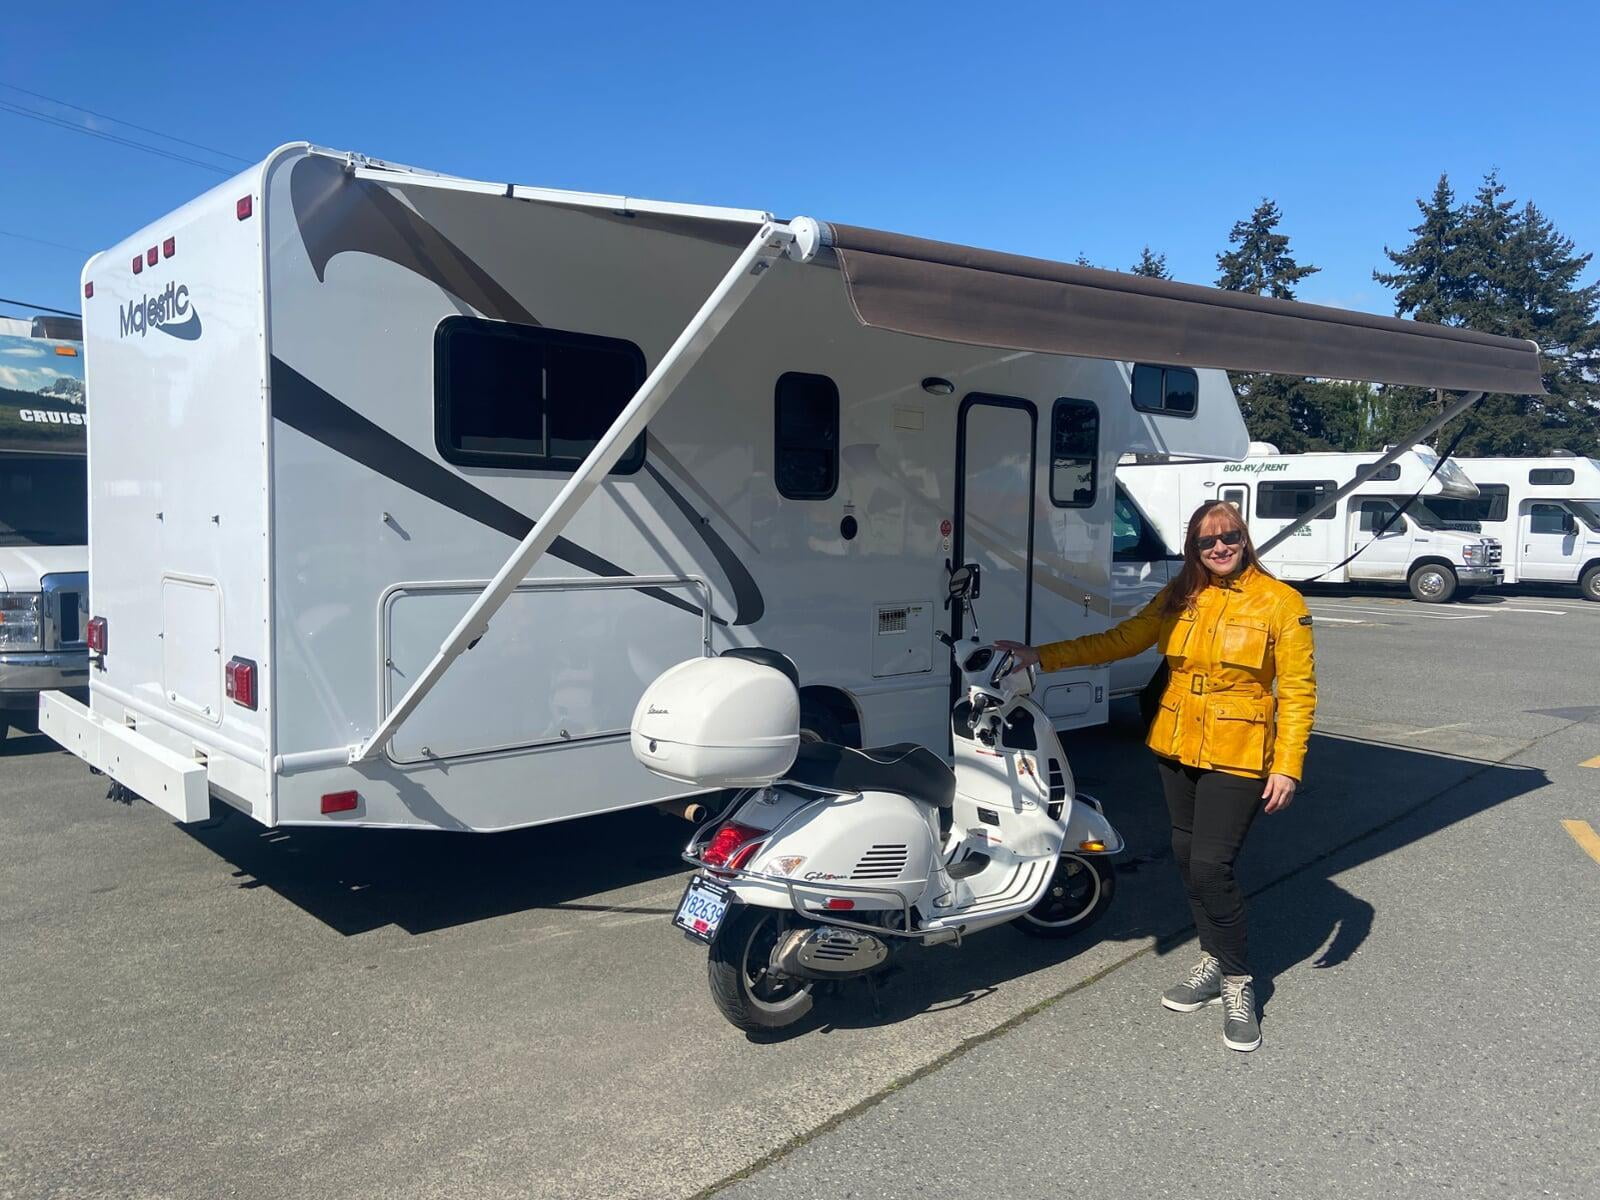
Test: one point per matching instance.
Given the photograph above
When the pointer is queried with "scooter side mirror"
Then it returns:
(964, 582)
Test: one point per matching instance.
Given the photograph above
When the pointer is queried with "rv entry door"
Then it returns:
(1549, 535)
(995, 441)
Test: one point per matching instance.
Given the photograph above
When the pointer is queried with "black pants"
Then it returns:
(1211, 813)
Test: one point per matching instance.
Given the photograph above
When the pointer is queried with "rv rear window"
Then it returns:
(1174, 391)
(1074, 453)
(1289, 498)
(1551, 475)
(530, 398)
(805, 462)
(1387, 475)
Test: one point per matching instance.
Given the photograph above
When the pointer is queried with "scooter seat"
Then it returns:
(906, 768)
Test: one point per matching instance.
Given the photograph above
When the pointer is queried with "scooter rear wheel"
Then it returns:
(743, 986)
(1079, 893)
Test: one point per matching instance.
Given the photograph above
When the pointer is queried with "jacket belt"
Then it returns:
(1200, 684)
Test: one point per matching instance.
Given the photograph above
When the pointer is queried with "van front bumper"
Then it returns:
(26, 673)
(1481, 576)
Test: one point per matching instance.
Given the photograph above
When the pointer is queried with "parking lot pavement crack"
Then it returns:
(866, 1104)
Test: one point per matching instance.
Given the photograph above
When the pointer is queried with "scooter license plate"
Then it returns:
(702, 908)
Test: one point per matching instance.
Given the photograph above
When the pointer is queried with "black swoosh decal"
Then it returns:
(338, 214)
(301, 404)
(748, 602)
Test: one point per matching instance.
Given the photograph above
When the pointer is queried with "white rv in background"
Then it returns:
(1413, 549)
(404, 486)
(44, 587)
(1546, 511)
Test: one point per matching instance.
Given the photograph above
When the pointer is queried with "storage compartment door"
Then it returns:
(562, 663)
(191, 645)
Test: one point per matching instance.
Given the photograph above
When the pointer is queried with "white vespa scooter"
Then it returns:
(835, 857)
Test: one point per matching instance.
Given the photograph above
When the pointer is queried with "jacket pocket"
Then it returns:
(1163, 734)
(1238, 732)
(1175, 633)
(1244, 643)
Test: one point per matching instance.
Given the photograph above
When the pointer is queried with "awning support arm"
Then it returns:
(1400, 447)
(771, 242)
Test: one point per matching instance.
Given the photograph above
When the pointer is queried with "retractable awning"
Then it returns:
(986, 298)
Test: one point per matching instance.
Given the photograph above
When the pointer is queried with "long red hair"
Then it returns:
(1195, 576)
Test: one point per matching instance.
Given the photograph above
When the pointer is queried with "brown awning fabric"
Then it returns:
(985, 298)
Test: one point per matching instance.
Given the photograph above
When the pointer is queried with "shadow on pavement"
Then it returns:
(1349, 811)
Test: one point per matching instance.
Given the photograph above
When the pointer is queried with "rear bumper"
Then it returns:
(175, 784)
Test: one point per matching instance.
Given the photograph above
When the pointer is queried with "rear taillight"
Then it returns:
(95, 635)
(239, 679)
(732, 846)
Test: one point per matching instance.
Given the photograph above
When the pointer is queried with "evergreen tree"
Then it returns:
(1490, 266)
(1152, 266)
(1260, 261)
(1275, 406)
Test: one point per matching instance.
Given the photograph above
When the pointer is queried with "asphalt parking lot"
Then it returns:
(230, 1011)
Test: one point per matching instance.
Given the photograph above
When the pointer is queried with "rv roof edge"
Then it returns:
(772, 241)
(1394, 453)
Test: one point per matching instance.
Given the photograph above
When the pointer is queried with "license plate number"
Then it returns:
(702, 908)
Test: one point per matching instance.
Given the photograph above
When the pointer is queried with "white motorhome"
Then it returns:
(336, 394)
(1364, 538)
(44, 590)
(1546, 511)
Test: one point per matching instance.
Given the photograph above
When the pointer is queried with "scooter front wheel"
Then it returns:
(743, 985)
(1078, 894)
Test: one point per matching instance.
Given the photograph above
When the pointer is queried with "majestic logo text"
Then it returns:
(169, 311)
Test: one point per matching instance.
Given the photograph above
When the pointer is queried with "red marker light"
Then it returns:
(244, 208)
(169, 247)
(153, 255)
(95, 635)
(836, 903)
(88, 290)
(138, 263)
(239, 681)
(336, 802)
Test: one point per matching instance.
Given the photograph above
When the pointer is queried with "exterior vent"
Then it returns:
(882, 862)
(891, 620)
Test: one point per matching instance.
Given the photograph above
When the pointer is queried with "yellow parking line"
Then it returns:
(1591, 762)
(1585, 836)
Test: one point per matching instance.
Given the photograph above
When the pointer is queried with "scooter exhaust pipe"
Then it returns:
(693, 810)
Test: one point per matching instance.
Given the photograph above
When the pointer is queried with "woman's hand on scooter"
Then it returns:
(1279, 791)
(1023, 656)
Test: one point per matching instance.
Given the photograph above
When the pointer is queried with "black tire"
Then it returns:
(1432, 583)
(1079, 893)
(1589, 585)
(742, 990)
(818, 724)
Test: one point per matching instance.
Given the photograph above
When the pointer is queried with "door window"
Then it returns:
(1134, 539)
(1376, 515)
(806, 420)
(1548, 518)
(1238, 497)
(1074, 453)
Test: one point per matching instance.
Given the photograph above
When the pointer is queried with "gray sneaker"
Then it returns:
(1240, 1028)
(1202, 986)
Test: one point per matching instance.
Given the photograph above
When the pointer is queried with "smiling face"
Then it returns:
(1220, 558)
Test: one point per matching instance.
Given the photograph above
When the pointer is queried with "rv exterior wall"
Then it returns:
(178, 535)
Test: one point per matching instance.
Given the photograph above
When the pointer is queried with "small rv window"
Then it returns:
(1074, 453)
(530, 398)
(806, 421)
(1387, 475)
(1171, 390)
(1551, 475)
(1286, 499)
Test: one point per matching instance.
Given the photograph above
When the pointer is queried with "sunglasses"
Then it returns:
(1232, 538)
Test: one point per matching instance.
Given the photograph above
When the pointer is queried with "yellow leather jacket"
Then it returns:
(1225, 652)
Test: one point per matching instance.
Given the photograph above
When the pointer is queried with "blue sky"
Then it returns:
(1047, 129)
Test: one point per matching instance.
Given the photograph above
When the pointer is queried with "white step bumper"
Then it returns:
(174, 784)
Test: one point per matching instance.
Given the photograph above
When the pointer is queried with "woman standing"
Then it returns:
(1226, 747)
